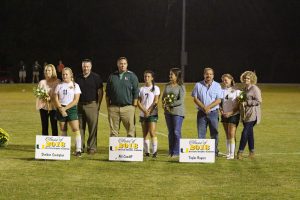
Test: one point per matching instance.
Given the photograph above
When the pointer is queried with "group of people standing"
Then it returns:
(77, 102)
(36, 68)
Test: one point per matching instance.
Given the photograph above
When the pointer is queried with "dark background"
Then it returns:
(229, 35)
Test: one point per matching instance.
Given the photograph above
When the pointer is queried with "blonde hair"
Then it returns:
(54, 74)
(230, 77)
(71, 72)
(251, 75)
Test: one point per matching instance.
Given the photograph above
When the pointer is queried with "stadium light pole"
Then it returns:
(183, 57)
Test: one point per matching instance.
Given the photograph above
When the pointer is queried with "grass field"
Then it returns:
(273, 174)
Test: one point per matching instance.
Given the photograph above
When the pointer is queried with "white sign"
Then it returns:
(53, 147)
(126, 149)
(197, 150)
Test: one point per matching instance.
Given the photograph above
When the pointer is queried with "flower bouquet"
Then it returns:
(168, 100)
(42, 94)
(242, 98)
(4, 137)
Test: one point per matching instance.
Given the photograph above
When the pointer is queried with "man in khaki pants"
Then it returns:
(91, 86)
(121, 98)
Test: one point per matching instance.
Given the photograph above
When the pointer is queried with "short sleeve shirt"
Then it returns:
(206, 94)
(230, 99)
(66, 92)
(147, 97)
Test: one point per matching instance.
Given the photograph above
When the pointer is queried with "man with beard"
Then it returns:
(207, 96)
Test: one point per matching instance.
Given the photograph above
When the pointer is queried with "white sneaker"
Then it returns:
(230, 157)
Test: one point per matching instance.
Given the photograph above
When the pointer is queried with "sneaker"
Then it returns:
(230, 157)
(91, 152)
(154, 155)
(78, 154)
(147, 154)
(239, 156)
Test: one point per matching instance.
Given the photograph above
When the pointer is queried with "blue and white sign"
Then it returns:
(126, 149)
(53, 147)
(197, 150)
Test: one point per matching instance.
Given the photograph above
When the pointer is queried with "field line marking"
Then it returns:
(138, 126)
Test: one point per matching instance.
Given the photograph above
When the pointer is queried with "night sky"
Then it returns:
(229, 35)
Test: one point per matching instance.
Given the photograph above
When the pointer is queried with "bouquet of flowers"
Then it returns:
(242, 97)
(168, 100)
(4, 137)
(42, 94)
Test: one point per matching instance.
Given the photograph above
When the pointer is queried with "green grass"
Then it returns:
(273, 174)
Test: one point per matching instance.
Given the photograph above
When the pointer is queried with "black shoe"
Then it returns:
(154, 155)
(147, 154)
(78, 154)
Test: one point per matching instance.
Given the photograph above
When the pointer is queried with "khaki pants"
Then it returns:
(88, 115)
(126, 115)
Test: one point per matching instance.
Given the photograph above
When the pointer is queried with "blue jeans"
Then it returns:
(212, 120)
(174, 124)
(247, 136)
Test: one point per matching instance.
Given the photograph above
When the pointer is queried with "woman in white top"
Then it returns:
(67, 94)
(47, 109)
(230, 115)
(147, 103)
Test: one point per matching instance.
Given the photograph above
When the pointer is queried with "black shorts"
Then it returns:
(235, 119)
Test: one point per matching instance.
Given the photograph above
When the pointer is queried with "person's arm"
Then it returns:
(135, 90)
(74, 102)
(154, 104)
(141, 106)
(256, 99)
(58, 105)
(199, 103)
(180, 98)
(107, 92)
(213, 104)
(100, 97)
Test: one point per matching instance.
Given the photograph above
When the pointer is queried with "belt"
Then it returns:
(121, 105)
(87, 102)
(209, 111)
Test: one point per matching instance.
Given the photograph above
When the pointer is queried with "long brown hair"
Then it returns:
(178, 75)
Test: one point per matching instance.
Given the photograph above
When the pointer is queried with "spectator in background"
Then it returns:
(207, 96)
(60, 67)
(91, 86)
(22, 72)
(36, 71)
(122, 92)
(47, 110)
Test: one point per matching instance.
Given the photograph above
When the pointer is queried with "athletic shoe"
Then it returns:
(230, 157)
(154, 155)
(78, 154)
(147, 154)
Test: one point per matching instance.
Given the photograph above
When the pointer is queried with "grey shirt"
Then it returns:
(177, 107)
(252, 104)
